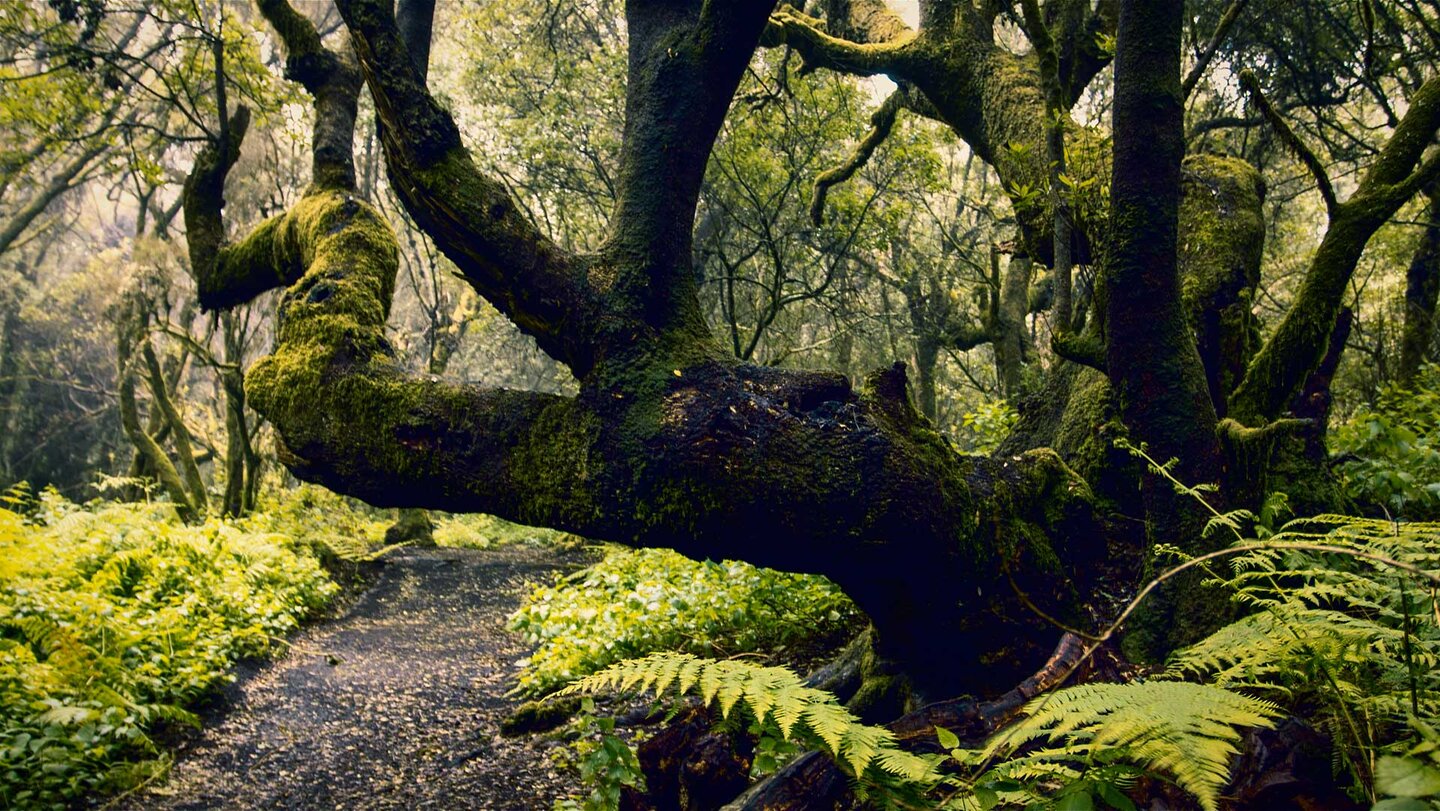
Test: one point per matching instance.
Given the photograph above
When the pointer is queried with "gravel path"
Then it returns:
(396, 704)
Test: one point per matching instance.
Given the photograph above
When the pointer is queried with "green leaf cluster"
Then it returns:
(112, 618)
(637, 601)
(1391, 453)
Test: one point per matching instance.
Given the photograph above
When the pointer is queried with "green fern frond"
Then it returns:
(1185, 730)
(773, 696)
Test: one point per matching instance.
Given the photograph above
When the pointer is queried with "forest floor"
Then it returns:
(395, 703)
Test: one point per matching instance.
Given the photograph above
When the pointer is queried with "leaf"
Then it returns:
(1402, 804)
(948, 739)
(1406, 777)
(1114, 797)
(1075, 801)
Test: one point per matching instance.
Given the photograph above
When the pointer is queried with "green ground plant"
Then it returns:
(1390, 453)
(636, 601)
(113, 618)
(479, 531)
(1070, 748)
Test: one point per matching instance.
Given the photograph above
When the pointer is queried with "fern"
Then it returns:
(775, 698)
(1187, 731)
(112, 617)
(1345, 631)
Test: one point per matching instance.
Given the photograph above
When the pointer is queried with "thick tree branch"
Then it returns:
(333, 81)
(470, 216)
(1057, 113)
(685, 63)
(1279, 370)
(416, 21)
(819, 49)
(865, 21)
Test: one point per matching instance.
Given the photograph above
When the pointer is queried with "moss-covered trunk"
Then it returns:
(1422, 288)
(1151, 356)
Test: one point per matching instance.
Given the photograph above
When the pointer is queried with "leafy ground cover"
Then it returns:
(634, 602)
(113, 618)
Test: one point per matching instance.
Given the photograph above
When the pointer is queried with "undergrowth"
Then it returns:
(113, 618)
(637, 601)
(1077, 743)
(1338, 631)
(1390, 454)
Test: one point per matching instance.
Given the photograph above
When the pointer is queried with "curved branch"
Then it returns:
(1295, 349)
(882, 121)
(471, 217)
(1291, 141)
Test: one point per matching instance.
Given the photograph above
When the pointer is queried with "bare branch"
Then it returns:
(1222, 30)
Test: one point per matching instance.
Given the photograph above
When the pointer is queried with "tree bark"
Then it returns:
(1150, 356)
(1422, 287)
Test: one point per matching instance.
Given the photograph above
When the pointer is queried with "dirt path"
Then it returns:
(395, 704)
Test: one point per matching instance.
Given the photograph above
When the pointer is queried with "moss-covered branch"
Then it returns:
(472, 219)
(819, 49)
(333, 81)
(1278, 371)
(1291, 141)
(882, 121)
(160, 395)
(130, 331)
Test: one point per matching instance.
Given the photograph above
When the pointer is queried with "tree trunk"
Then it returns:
(1422, 287)
(1150, 355)
(1011, 337)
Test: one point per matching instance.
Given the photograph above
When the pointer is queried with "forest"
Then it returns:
(696, 404)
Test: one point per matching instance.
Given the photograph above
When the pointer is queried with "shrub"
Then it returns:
(637, 601)
(1391, 453)
(113, 617)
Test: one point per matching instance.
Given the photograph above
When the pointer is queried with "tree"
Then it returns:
(673, 442)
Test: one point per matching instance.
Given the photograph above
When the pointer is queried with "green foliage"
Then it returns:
(1391, 453)
(1411, 782)
(608, 765)
(779, 705)
(1090, 734)
(477, 531)
(989, 424)
(1343, 631)
(1092, 739)
(332, 526)
(113, 617)
(637, 601)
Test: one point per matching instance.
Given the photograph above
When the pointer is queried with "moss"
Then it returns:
(539, 716)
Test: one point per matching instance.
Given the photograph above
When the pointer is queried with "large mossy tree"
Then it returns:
(673, 442)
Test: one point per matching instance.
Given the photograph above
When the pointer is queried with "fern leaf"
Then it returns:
(1186, 730)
